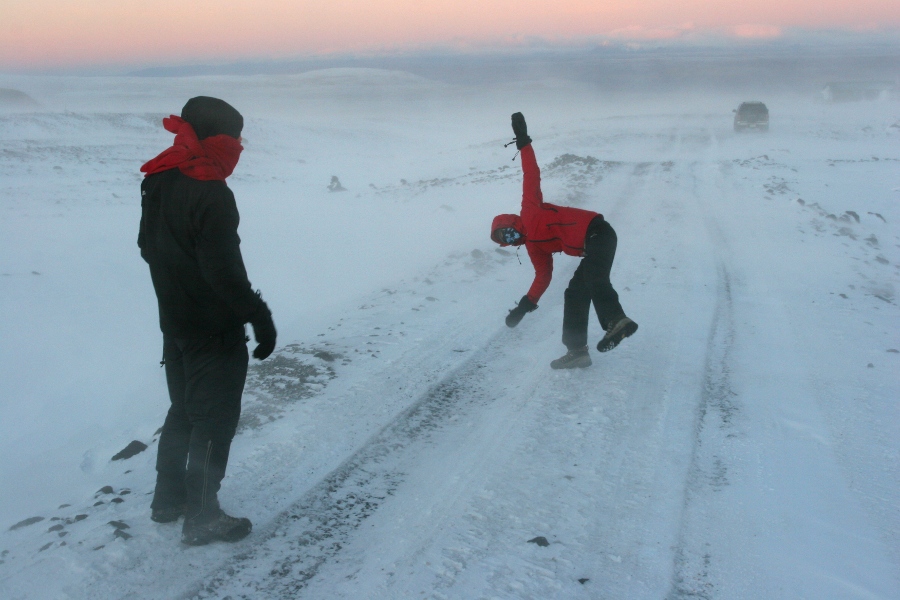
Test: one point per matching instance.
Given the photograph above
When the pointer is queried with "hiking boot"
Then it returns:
(618, 330)
(168, 514)
(573, 359)
(221, 528)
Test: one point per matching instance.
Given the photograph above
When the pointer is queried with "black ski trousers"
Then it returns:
(206, 378)
(590, 283)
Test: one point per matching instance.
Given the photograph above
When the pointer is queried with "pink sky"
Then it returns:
(68, 33)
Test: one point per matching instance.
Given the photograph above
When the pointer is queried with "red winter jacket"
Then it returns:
(547, 228)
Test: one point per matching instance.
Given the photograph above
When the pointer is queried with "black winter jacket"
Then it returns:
(189, 238)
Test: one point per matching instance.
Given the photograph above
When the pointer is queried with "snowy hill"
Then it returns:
(15, 100)
(402, 442)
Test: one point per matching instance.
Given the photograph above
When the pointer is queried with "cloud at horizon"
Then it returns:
(57, 34)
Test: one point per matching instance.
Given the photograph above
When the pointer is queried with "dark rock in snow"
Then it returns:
(106, 489)
(540, 541)
(852, 214)
(846, 231)
(158, 431)
(56, 528)
(121, 534)
(45, 546)
(119, 524)
(61, 506)
(117, 500)
(99, 502)
(80, 518)
(583, 580)
(26, 523)
(335, 185)
(130, 450)
(894, 350)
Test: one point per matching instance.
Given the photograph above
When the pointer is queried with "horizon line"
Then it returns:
(845, 40)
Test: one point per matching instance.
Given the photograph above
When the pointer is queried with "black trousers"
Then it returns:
(590, 283)
(206, 378)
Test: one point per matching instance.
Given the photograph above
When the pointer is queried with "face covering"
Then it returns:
(212, 158)
(509, 235)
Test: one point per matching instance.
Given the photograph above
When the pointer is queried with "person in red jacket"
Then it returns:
(545, 229)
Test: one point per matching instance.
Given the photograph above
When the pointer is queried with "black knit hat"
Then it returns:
(211, 116)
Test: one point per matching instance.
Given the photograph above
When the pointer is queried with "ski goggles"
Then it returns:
(508, 235)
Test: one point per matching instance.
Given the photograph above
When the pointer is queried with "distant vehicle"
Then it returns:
(751, 115)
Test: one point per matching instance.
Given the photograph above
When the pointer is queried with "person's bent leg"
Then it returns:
(174, 439)
(600, 250)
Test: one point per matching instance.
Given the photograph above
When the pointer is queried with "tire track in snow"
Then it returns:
(717, 409)
(316, 528)
(708, 470)
(766, 511)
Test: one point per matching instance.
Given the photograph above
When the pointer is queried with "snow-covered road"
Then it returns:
(406, 444)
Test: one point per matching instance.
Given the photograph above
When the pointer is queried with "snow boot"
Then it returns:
(167, 514)
(221, 527)
(573, 359)
(618, 329)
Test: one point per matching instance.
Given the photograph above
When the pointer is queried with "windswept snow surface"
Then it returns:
(402, 442)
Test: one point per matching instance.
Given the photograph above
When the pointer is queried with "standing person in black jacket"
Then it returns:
(188, 236)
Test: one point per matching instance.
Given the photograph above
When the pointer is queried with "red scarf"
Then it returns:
(211, 159)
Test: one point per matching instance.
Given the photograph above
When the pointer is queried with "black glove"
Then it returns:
(263, 331)
(521, 130)
(516, 314)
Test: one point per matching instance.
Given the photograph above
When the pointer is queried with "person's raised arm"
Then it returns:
(531, 180)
